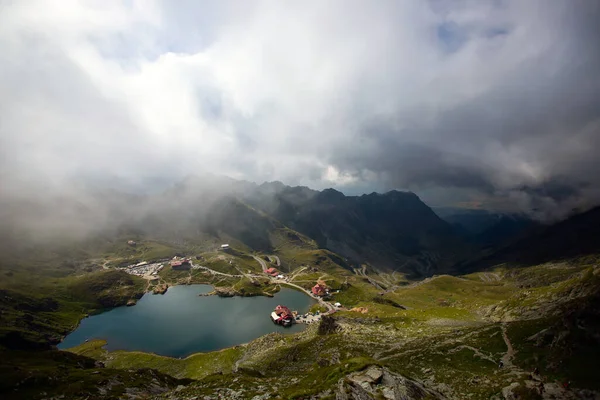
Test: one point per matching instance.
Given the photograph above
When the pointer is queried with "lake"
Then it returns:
(180, 322)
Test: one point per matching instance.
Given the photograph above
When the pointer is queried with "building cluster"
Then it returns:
(144, 269)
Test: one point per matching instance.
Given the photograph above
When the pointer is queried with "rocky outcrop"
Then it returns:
(377, 382)
(160, 289)
(225, 292)
(328, 326)
(131, 302)
(231, 292)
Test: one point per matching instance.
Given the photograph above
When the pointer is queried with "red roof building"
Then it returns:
(282, 316)
(319, 290)
(272, 271)
(180, 264)
(283, 312)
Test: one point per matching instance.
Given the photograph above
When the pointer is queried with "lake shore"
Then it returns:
(181, 325)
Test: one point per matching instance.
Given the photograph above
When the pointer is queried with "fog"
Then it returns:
(494, 103)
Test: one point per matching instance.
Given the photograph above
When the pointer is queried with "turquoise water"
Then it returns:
(180, 322)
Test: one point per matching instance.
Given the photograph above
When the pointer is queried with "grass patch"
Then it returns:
(196, 366)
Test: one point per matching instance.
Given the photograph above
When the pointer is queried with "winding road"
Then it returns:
(262, 262)
(330, 307)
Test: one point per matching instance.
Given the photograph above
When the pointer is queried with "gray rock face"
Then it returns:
(375, 382)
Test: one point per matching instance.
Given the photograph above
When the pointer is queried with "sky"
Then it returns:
(487, 103)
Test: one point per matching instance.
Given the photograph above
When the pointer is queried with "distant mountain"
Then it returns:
(487, 228)
(395, 230)
(577, 236)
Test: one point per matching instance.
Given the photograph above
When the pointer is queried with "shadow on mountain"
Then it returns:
(575, 237)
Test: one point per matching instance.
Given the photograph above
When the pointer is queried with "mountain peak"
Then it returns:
(331, 195)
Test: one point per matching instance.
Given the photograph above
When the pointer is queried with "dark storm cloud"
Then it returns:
(496, 99)
(532, 132)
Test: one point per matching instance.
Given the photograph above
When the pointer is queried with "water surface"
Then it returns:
(180, 322)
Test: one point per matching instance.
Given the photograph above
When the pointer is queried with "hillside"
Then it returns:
(487, 229)
(532, 304)
(395, 230)
(575, 237)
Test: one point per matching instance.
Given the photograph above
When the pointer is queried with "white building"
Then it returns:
(224, 246)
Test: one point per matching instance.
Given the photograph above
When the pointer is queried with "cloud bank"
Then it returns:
(496, 101)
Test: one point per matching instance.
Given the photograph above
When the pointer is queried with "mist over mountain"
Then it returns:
(411, 187)
(394, 230)
(443, 100)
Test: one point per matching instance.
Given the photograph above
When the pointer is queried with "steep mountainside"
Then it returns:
(486, 228)
(578, 236)
(395, 230)
(523, 325)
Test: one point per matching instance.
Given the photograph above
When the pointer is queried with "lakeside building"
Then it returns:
(183, 263)
(320, 289)
(282, 316)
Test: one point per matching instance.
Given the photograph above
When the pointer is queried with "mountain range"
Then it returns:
(433, 299)
(391, 231)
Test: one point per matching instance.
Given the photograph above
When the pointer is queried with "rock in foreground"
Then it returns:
(375, 382)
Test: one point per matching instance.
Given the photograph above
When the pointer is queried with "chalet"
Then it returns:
(272, 271)
(183, 263)
(282, 316)
(320, 289)
(225, 246)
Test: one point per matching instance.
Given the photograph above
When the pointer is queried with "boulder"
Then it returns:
(375, 381)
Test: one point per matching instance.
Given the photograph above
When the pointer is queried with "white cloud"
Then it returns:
(313, 93)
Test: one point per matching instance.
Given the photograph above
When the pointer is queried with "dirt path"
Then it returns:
(489, 277)
(212, 271)
(296, 273)
(330, 307)
(510, 352)
(363, 272)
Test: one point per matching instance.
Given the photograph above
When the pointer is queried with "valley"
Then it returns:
(505, 324)
(310, 200)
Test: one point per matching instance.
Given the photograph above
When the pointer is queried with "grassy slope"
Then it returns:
(44, 293)
(448, 337)
(195, 366)
(50, 307)
(448, 331)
